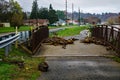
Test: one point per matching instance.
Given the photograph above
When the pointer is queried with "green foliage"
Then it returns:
(52, 15)
(115, 58)
(17, 14)
(12, 29)
(7, 71)
(4, 5)
(71, 31)
(35, 10)
(43, 13)
(25, 17)
(11, 12)
(16, 19)
(60, 14)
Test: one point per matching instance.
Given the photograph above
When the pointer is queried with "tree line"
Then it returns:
(43, 13)
(11, 11)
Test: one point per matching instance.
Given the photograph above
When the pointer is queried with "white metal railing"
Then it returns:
(6, 43)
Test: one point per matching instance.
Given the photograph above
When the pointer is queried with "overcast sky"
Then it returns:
(92, 6)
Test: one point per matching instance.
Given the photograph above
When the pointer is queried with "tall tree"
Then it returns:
(4, 5)
(52, 15)
(60, 14)
(25, 17)
(11, 12)
(43, 13)
(50, 7)
(35, 10)
(16, 13)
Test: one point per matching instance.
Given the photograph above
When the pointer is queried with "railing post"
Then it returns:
(6, 50)
(118, 43)
(111, 35)
(9, 46)
(102, 32)
(106, 33)
(16, 42)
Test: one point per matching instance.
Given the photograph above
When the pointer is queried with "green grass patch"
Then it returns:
(71, 31)
(12, 29)
(10, 71)
(53, 27)
(115, 58)
(7, 71)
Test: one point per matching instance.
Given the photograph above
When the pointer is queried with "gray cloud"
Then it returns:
(93, 6)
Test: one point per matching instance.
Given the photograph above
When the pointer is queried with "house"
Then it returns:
(92, 20)
(75, 22)
(61, 22)
(4, 24)
(37, 22)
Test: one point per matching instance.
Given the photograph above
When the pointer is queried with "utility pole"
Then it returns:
(36, 13)
(79, 17)
(72, 13)
(66, 11)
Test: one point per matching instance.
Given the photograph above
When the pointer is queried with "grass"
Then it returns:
(13, 72)
(71, 31)
(12, 29)
(22, 28)
(116, 58)
(53, 27)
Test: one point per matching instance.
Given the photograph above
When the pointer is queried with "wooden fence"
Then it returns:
(109, 34)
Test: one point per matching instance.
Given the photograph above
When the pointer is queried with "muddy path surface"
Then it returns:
(76, 49)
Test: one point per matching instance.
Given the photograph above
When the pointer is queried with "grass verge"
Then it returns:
(53, 27)
(116, 58)
(12, 29)
(10, 71)
(71, 31)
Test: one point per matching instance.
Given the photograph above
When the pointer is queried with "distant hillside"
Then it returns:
(103, 16)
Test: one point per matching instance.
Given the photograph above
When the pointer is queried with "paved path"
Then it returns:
(56, 29)
(79, 61)
(81, 68)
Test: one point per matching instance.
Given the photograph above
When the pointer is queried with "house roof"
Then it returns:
(40, 21)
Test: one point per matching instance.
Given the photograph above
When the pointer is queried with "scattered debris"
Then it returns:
(85, 33)
(109, 48)
(19, 63)
(89, 40)
(59, 41)
(43, 67)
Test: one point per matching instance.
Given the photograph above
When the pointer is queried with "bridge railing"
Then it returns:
(37, 36)
(109, 34)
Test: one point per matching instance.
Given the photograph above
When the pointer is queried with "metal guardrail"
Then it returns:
(24, 36)
(7, 40)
